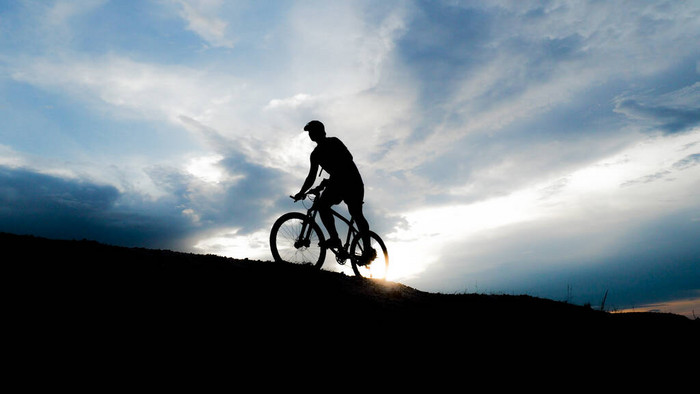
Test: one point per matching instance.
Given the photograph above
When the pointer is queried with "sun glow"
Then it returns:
(610, 188)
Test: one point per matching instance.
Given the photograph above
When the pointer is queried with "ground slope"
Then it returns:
(84, 287)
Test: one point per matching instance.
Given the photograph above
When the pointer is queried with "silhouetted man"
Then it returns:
(344, 184)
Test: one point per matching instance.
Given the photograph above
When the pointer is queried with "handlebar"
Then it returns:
(316, 191)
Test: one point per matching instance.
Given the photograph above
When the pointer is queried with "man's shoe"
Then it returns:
(331, 243)
(367, 257)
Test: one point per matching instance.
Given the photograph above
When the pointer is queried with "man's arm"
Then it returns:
(308, 182)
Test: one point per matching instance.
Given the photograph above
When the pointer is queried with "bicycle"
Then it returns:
(297, 238)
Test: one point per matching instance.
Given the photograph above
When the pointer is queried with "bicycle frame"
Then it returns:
(341, 254)
(292, 235)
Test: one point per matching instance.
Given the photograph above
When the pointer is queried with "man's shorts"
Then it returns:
(336, 192)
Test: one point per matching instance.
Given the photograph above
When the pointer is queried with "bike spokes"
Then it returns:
(291, 243)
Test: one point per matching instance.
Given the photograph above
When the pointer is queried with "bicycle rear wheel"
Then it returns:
(379, 268)
(288, 244)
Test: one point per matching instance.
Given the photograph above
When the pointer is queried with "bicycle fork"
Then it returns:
(304, 240)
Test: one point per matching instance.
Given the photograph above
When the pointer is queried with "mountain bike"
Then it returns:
(297, 238)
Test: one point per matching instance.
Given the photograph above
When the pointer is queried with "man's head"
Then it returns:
(316, 130)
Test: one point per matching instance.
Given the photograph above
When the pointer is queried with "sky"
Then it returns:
(548, 148)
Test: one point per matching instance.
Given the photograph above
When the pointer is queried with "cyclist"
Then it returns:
(344, 184)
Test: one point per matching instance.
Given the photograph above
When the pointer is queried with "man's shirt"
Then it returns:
(332, 155)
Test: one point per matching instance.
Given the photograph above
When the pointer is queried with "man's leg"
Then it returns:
(355, 210)
(328, 199)
(328, 221)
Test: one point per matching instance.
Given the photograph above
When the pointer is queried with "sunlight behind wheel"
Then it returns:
(378, 269)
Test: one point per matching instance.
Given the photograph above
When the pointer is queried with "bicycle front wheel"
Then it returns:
(292, 241)
(379, 268)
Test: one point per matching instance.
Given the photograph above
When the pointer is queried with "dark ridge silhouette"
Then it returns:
(74, 290)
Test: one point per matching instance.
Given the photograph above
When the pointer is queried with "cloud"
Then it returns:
(687, 162)
(60, 12)
(20, 189)
(671, 112)
(507, 94)
(58, 206)
(544, 53)
(293, 102)
(130, 88)
(251, 110)
(556, 224)
(647, 178)
(53, 206)
(34, 27)
(244, 194)
(202, 18)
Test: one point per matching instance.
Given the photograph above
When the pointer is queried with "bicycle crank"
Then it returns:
(341, 257)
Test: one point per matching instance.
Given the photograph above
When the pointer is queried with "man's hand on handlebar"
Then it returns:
(315, 191)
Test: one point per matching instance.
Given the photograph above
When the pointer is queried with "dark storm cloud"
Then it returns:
(33, 192)
(51, 206)
(56, 207)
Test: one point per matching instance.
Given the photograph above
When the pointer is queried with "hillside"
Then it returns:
(72, 283)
